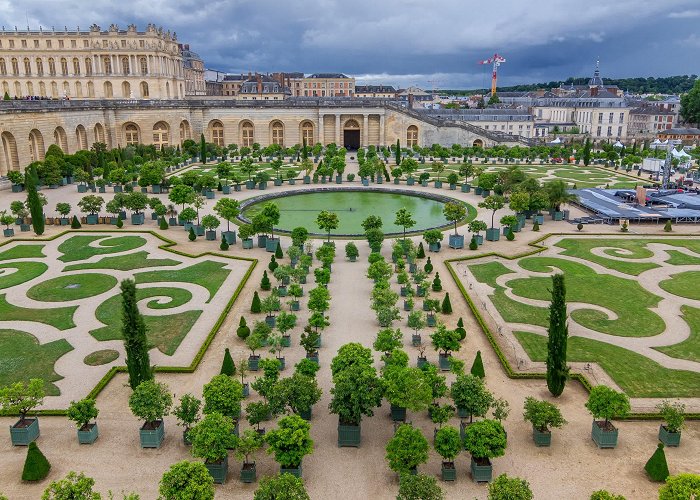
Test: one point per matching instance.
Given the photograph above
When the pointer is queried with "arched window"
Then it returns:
(76, 66)
(36, 145)
(52, 67)
(99, 133)
(66, 89)
(91, 89)
(39, 67)
(217, 133)
(5, 87)
(78, 89)
(30, 88)
(27, 67)
(15, 66)
(125, 65)
(107, 61)
(185, 132)
(247, 134)
(60, 139)
(131, 134)
(167, 90)
(18, 89)
(54, 90)
(81, 135)
(144, 65)
(307, 133)
(42, 89)
(144, 89)
(160, 135)
(109, 93)
(64, 66)
(277, 133)
(3, 66)
(88, 66)
(9, 146)
(412, 136)
(126, 90)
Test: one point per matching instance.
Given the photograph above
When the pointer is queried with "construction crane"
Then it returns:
(496, 60)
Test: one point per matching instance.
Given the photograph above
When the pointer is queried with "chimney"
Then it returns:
(594, 91)
(260, 85)
(410, 100)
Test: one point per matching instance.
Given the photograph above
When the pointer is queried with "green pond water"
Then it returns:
(352, 208)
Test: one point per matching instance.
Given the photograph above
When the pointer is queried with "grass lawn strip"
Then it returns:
(102, 357)
(23, 358)
(72, 287)
(637, 375)
(209, 274)
(26, 271)
(58, 317)
(128, 262)
(78, 247)
(683, 284)
(690, 347)
(23, 252)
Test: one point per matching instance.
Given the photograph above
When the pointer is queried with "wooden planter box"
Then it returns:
(416, 339)
(481, 473)
(218, 470)
(271, 244)
(253, 363)
(672, 439)
(229, 236)
(247, 244)
(444, 362)
(24, 432)
(541, 438)
(466, 188)
(88, 434)
(493, 234)
(431, 321)
(434, 247)
(456, 241)
(603, 438)
(210, 235)
(398, 413)
(270, 320)
(199, 230)
(349, 435)
(249, 473)
(448, 471)
(152, 438)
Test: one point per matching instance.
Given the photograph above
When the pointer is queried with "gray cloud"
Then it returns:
(404, 42)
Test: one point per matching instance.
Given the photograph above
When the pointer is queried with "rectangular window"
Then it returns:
(48, 44)
(600, 117)
(619, 131)
(60, 44)
(24, 44)
(12, 44)
(610, 117)
(86, 44)
(74, 44)
(598, 132)
(622, 117)
(36, 44)
(609, 131)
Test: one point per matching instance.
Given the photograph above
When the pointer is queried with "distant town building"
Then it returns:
(414, 97)
(328, 85)
(688, 136)
(647, 120)
(231, 84)
(380, 91)
(262, 88)
(193, 71)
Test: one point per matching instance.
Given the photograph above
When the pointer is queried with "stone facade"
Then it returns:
(111, 64)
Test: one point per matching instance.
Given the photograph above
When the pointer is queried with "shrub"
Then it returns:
(667, 226)
(446, 305)
(291, 441)
(510, 236)
(75, 223)
(656, 467)
(223, 395)
(192, 236)
(681, 487)
(81, 412)
(673, 414)
(460, 329)
(407, 449)
(284, 486)
(485, 439)
(150, 401)
(509, 488)
(36, 466)
(604, 402)
(604, 495)
(265, 284)
(421, 251)
(224, 245)
(536, 226)
(473, 245)
(448, 443)
(256, 306)
(212, 437)
(428, 268)
(228, 367)
(579, 226)
(419, 487)
(164, 224)
(73, 486)
(278, 251)
(478, 366)
(543, 415)
(187, 479)
(273, 264)
(437, 284)
(242, 331)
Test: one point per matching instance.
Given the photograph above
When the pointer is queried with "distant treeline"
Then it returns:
(651, 85)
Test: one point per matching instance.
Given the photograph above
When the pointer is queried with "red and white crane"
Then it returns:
(496, 60)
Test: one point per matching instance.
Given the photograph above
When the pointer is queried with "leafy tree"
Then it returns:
(223, 395)
(290, 441)
(673, 414)
(656, 467)
(22, 398)
(387, 340)
(81, 412)
(690, 104)
(356, 392)
(558, 194)
(36, 466)
(372, 222)
(257, 412)
(471, 395)
(447, 443)
(187, 412)
(405, 220)
(542, 414)
(227, 366)
(271, 212)
(202, 149)
(33, 200)
(416, 321)
(419, 487)
(212, 437)
(72, 487)
(150, 401)
(493, 203)
(558, 334)
(136, 344)
(406, 387)
(296, 394)
(477, 368)
(454, 212)
(586, 155)
(327, 221)
(604, 495)
(681, 487)
(445, 340)
(187, 480)
(509, 488)
(282, 487)
(485, 439)
(607, 403)
(299, 236)
(407, 449)
(249, 443)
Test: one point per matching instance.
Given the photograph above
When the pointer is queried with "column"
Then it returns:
(337, 130)
(321, 131)
(381, 130)
(365, 130)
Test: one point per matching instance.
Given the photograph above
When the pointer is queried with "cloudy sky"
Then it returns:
(404, 42)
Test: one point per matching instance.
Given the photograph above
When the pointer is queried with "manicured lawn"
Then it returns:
(26, 270)
(690, 347)
(164, 332)
(683, 284)
(624, 297)
(59, 317)
(23, 358)
(72, 287)
(129, 262)
(102, 357)
(677, 258)
(77, 247)
(637, 375)
(208, 274)
(23, 252)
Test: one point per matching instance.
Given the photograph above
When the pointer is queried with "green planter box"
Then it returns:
(493, 234)
(88, 434)
(271, 244)
(249, 473)
(448, 471)
(453, 187)
(306, 414)
(431, 321)
(278, 182)
(557, 215)
(91, 219)
(210, 235)
(294, 305)
(398, 413)
(481, 472)
(226, 189)
(410, 181)
(271, 321)
(286, 340)
(485, 193)
(462, 412)
(152, 438)
(262, 241)
(247, 244)
(294, 471)
(541, 438)
(218, 470)
(416, 339)
(434, 247)
(478, 190)
(349, 435)
(246, 390)
(672, 439)
(539, 219)
(456, 241)
(466, 188)
(421, 362)
(444, 362)
(603, 438)
(253, 363)
(229, 236)
(8, 233)
(24, 432)
(438, 184)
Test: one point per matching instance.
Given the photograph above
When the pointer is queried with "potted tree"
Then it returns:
(187, 414)
(91, 205)
(136, 202)
(484, 440)
(17, 180)
(438, 167)
(604, 402)
(210, 223)
(471, 397)
(187, 216)
(309, 341)
(416, 321)
(448, 445)
(254, 342)
(269, 305)
(558, 194)
(406, 388)
(184, 479)
(445, 341)
(223, 394)
(674, 416)
(538, 202)
(387, 340)
(406, 450)
(351, 251)
(19, 210)
(211, 439)
(22, 398)
(494, 203)
(296, 394)
(290, 442)
(82, 412)
(408, 166)
(64, 210)
(455, 212)
(150, 402)
(433, 237)
(452, 179)
(7, 219)
(246, 232)
(246, 447)
(543, 416)
(520, 204)
(476, 226)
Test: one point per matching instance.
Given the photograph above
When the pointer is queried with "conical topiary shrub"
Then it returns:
(265, 284)
(667, 227)
(255, 307)
(460, 329)
(192, 236)
(36, 467)
(478, 366)
(75, 223)
(273, 264)
(446, 305)
(428, 267)
(224, 244)
(473, 245)
(536, 226)
(242, 331)
(437, 284)
(421, 252)
(656, 467)
(163, 224)
(278, 251)
(228, 367)
(510, 235)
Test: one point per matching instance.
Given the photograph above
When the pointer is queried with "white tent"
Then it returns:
(679, 154)
(556, 141)
(618, 144)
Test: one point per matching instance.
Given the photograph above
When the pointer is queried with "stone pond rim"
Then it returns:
(255, 200)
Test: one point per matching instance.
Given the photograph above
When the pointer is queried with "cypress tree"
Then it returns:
(265, 284)
(278, 251)
(242, 331)
(421, 251)
(202, 149)
(428, 268)
(558, 333)
(75, 223)
(587, 152)
(255, 307)
(437, 284)
(398, 151)
(273, 264)
(191, 236)
(478, 366)
(136, 345)
(460, 329)
(36, 466)
(224, 244)
(656, 467)
(228, 367)
(446, 305)
(35, 207)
